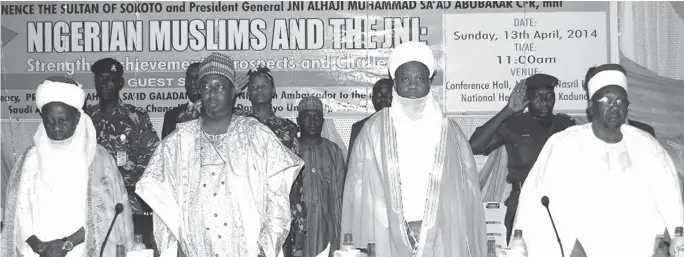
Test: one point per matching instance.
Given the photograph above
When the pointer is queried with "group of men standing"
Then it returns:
(225, 182)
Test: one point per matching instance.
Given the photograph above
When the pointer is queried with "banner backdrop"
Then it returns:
(333, 49)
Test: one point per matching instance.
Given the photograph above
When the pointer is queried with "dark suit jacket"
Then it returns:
(170, 118)
(642, 126)
(356, 128)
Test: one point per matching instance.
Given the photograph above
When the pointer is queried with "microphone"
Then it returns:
(545, 202)
(118, 209)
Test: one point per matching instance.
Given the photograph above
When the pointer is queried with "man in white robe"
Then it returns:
(411, 185)
(63, 190)
(612, 188)
(219, 185)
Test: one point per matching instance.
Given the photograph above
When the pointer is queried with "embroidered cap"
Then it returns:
(310, 103)
(218, 64)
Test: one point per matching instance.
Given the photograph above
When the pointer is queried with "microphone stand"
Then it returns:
(118, 209)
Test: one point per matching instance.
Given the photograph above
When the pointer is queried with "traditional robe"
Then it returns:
(105, 188)
(245, 181)
(453, 221)
(320, 189)
(612, 198)
(8, 160)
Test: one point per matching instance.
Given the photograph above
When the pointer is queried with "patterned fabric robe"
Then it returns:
(250, 177)
(105, 190)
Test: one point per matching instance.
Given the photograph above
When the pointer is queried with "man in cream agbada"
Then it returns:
(412, 181)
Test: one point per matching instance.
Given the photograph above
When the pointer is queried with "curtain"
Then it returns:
(652, 35)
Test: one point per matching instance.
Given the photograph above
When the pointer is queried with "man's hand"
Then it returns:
(518, 100)
(54, 249)
(36, 245)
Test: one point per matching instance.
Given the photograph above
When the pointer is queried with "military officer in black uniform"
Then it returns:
(523, 134)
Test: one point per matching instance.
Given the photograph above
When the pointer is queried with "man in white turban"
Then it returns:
(611, 188)
(219, 185)
(64, 190)
(412, 183)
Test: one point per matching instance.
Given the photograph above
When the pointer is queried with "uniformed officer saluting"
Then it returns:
(523, 134)
(127, 133)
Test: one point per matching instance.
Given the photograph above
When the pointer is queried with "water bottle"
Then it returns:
(348, 243)
(491, 247)
(517, 244)
(371, 249)
(677, 242)
(347, 249)
(139, 245)
(120, 250)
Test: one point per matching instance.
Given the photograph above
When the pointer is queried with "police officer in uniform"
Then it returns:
(127, 133)
(523, 134)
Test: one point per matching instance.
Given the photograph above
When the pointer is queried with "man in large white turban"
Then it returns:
(611, 188)
(412, 186)
(64, 190)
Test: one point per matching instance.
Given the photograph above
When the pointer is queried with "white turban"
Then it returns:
(53, 91)
(412, 51)
(63, 165)
(606, 78)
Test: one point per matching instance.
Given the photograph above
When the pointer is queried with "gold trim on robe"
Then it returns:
(453, 223)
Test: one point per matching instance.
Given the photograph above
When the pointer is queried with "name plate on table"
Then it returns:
(141, 253)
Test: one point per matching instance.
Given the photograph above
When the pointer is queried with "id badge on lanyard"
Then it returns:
(121, 156)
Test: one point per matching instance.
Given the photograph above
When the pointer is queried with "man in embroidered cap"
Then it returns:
(604, 177)
(63, 190)
(219, 185)
(523, 134)
(319, 186)
(381, 98)
(412, 181)
(187, 111)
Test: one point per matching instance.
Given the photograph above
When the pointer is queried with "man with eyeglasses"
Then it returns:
(219, 185)
(523, 134)
(604, 177)
(640, 125)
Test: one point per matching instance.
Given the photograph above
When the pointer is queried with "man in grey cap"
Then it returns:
(523, 134)
(219, 185)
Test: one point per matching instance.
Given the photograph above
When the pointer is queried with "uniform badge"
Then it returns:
(121, 158)
(113, 69)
